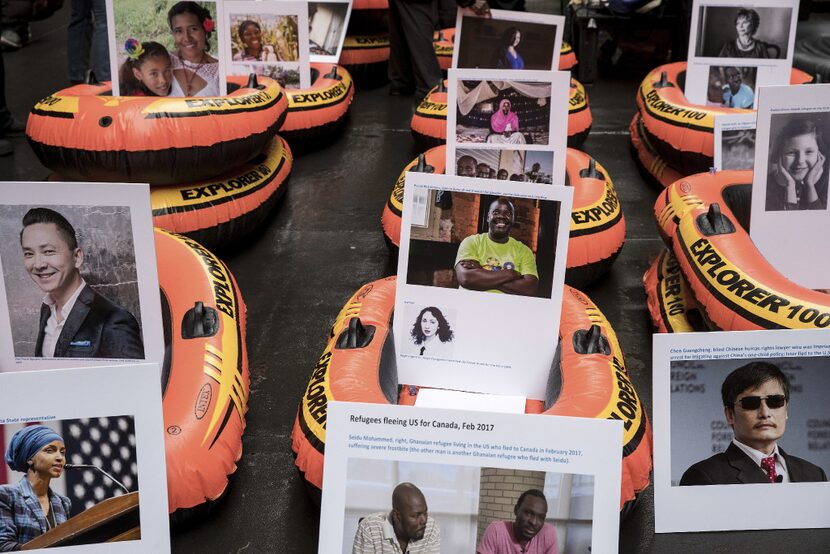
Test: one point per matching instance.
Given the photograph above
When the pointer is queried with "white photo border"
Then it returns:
(715, 507)
(57, 194)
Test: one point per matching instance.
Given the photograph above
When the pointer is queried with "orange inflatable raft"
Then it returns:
(703, 219)
(205, 373)
(651, 165)
(588, 379)
(84, 135)
(366, 58)
(316, 113)
(429, 122)
(682, 132)
(218, 212)
(670, 302)
(597, 231)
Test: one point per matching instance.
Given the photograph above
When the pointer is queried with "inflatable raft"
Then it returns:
(597, 229)
(588, 378)
(218, 212)
(682, 132)
(317, 113)
(84, 135)
(205, 374)
(703, 219)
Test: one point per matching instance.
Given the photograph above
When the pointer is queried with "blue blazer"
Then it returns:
(95, 328)
(22, 519)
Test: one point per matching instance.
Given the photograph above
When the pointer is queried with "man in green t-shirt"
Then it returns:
(494, 261)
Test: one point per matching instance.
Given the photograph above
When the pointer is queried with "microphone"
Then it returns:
(89, 466)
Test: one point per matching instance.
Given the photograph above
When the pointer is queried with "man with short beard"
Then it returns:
(528, 533)
(494, 261)
(407, 529)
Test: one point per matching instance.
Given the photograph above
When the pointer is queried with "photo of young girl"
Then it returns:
(147, 70)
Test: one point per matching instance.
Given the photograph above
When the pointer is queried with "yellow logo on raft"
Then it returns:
(672, 288)
(323, 96)
(367, 42)
(699, 117)
(577, 99)
(433, 108)
(741, 290)
(58, 104)
(442, 49)
(598, 213)
(213, 104)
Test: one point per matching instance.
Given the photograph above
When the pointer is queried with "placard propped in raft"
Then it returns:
(507, 40)
(87, 251)
(268, 38)
(776, 385)
(735, 48)
(790, 215)
(513, 123)
(470, 469)
(734, 141)
(177, 53)
(109, 417)
(481, 275)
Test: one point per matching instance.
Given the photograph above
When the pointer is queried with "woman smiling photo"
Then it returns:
(195, 72)
(431, 333)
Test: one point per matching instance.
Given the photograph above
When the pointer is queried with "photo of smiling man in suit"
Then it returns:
(75, 320)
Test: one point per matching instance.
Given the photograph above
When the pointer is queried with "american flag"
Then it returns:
(106, 442)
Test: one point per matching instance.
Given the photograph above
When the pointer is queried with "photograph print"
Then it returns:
(487, 243)
(496, 112)
(71, 281)
(432, 331)
(508, 40)
(489, 510)
(731, 86)
(534, 166)
(750, 32)
(327, 22)
(738, 149)
(797, 167)
(268, 39)
(160, 48)
(69, 459)
(749, 421)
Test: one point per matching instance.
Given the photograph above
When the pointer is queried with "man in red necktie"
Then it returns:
(755, 398)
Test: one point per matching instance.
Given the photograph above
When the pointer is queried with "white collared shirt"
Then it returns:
(53, 328)
(756, 456)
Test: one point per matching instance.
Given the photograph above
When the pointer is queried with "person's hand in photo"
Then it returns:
(784, 179)
(815, 172)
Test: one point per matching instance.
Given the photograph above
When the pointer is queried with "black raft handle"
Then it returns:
(356, 335)
(333, 74)
(591, 172)
(714, 222)
(663, 82)
(423, 166)
(253, 82)
(591, 341)
(441, 87)
(440, 36)
(200, 321)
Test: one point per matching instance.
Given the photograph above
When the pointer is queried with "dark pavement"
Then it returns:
(323, 242)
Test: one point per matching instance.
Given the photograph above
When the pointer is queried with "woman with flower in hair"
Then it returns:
(31, 508)
(147, 70)
(195, 72)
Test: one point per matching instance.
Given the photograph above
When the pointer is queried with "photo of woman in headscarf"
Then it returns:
(31, 508)
(506, 55)
(431, 334)
(504, 125)
(195, 72)
(799, 173)
(253, 49)
(745, 45)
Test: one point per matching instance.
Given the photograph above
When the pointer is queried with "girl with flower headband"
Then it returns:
(195, 72)
(147, 71)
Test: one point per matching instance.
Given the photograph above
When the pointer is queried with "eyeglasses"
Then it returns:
(773, 401)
